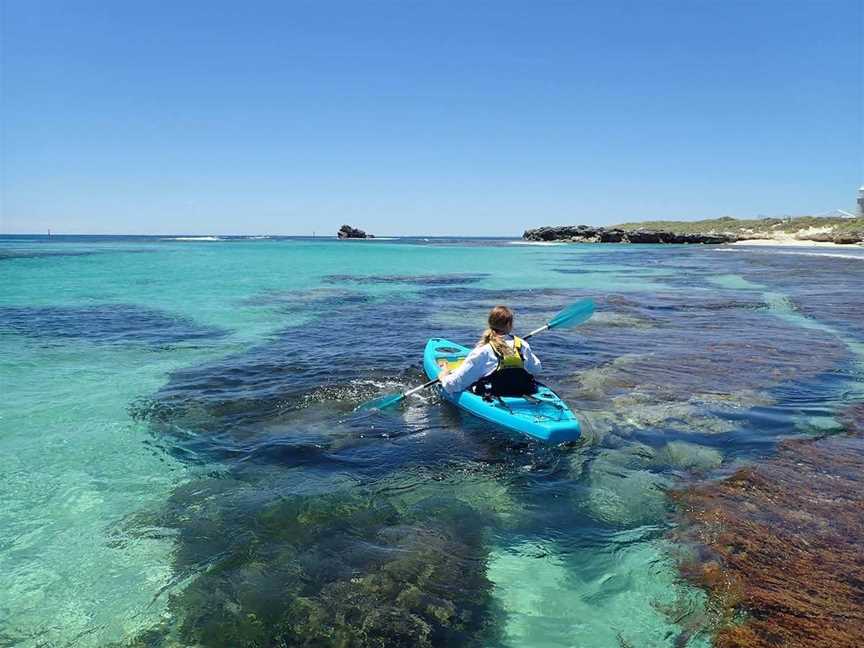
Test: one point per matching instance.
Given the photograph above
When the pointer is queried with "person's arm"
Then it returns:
(532, 362)
(472, 369)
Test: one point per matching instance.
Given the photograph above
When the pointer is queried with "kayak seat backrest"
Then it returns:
(454, 363)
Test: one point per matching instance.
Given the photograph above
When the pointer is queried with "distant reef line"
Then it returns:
(711, 231)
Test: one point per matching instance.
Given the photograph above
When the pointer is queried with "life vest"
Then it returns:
(512, 361)
(510, 377)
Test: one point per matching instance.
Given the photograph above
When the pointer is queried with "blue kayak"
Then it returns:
(543, 416)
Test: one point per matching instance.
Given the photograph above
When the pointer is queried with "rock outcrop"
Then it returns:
(586, 234)
(842, 238)
(348, 232)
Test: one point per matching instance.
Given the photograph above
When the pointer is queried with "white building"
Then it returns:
(842, 213)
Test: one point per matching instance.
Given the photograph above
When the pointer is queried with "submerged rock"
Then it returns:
(628, 498)
(689, 456)
(623, 491)
(628, 594)
(482, 490)
(348, 232)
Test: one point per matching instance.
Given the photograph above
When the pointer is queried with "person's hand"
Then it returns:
(445, 369)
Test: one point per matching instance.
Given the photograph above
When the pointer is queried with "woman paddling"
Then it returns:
(500, 365)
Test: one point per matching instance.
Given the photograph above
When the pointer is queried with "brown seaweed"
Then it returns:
(781, 545)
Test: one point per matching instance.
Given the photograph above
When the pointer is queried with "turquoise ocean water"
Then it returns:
(182, 464)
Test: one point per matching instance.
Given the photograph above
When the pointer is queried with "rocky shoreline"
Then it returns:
(587, 234)
(803, 230)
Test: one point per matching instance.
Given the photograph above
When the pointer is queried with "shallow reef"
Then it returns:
(224, 408)
(779, 544)
(696, 365)
(329, 570)
(299, 301)
(263, 558)
(13, 255)
(104, 323)
(419, 280)
(825, 289)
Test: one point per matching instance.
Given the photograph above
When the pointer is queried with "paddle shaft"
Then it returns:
(420, 388)
(536, 331)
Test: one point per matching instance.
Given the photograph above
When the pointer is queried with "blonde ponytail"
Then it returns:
(500, 319)
(497, 343)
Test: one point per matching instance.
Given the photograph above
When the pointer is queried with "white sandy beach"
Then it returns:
(793, 242)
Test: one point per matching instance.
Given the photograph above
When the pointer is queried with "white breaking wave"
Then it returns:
(859, 257)
(836, 255)
(194, 238)
(536, 243)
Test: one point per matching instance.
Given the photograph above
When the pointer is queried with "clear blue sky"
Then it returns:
(436, 117)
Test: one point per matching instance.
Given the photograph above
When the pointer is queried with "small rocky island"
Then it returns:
(779, 231)
(348, 232)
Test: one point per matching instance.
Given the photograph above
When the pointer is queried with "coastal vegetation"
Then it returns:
(743, 229)
(717, 230)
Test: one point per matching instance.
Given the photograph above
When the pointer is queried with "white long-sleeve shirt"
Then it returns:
(481, 362)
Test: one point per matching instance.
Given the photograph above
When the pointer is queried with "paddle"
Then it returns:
(570, 316)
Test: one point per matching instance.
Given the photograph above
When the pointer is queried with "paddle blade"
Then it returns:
(573, 315)
(380, 403)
